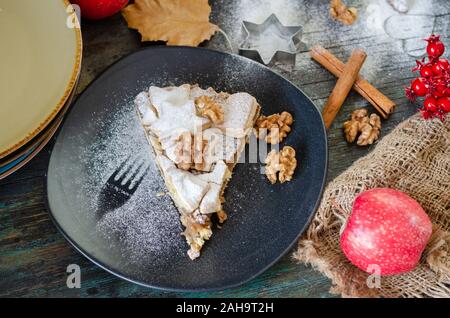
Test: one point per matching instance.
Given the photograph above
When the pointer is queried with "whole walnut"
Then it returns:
(274, 128)
(281, 165)
(368, 128)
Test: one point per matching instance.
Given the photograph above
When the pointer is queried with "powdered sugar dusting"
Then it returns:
(147, 226)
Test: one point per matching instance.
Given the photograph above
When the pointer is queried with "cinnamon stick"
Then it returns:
(380, 102)
(343, 86)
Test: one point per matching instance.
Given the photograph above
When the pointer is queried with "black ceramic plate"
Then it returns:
(140, 241)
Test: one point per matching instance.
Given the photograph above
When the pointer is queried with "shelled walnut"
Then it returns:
(342, 13)
(183, 151)
(283, 163)
(189, 151)
(288, 163)
(274, 128)
(272, 166)
(207, 107)
(370, 131)
(360, 122)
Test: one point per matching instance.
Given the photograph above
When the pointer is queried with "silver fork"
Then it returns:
(121, 185)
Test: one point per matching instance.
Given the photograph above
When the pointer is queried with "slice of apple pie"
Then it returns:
(197, 136)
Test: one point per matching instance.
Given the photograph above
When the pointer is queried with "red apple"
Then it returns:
(99, 9)
(387, 230)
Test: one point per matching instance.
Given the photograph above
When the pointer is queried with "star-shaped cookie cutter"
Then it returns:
(271, 41)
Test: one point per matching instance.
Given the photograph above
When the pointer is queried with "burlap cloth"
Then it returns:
(413, 158)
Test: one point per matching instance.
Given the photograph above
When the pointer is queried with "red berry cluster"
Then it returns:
(434, 81)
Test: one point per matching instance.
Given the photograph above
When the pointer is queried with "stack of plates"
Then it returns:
(40, 63)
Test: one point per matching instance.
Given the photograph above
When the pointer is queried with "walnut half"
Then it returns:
(370, 131)
(288, 163)
(369, 127)
(207, 107)
(342, 13)
(283, 163)
(274, 128)
(190, 151)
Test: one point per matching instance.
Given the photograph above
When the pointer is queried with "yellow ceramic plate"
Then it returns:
(40, 60)
(20, 157)
(32, 152)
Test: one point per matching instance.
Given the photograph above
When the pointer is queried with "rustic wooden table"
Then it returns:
(34, 255)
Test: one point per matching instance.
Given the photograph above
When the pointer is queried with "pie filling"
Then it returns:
(197, 136)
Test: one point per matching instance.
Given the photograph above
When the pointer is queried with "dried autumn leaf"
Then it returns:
(179, 22)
